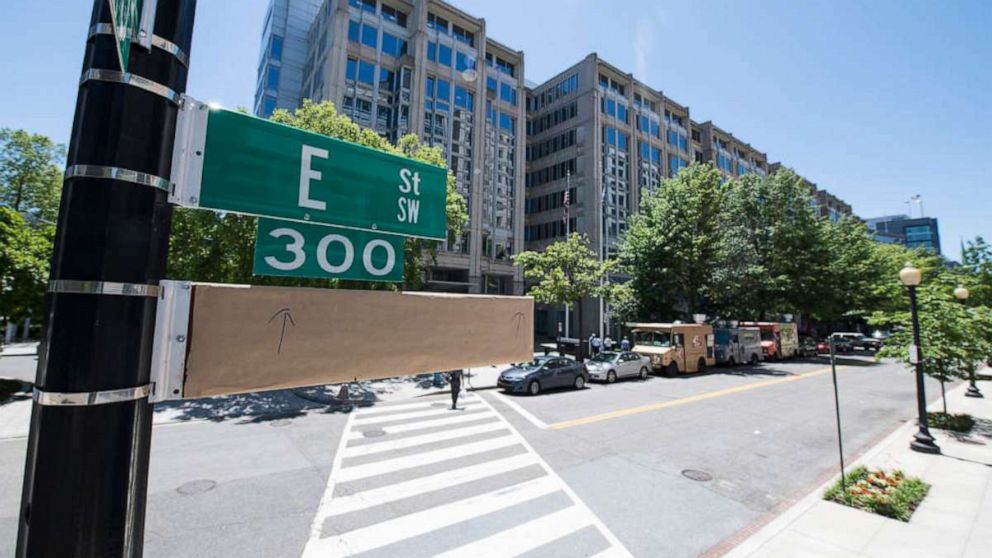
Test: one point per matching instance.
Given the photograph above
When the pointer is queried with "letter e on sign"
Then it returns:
(307, 174)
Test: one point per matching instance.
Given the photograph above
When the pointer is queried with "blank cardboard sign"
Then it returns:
(244, 339)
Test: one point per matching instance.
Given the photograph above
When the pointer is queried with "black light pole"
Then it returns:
(962, 294)
(85, 478)
(840, 440)
(922, 442)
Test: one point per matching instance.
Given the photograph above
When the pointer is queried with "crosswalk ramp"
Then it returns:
(416, 478)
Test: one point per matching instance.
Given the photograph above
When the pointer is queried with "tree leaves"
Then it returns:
(30, 173)
(25, 249)
(564, 273)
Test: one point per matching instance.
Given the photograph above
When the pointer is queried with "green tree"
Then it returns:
(564, 273)
(25, 250)
(955, 337)
(772, 255)
(671, 246)
(207, 246)
(30, 173)
(976, 261)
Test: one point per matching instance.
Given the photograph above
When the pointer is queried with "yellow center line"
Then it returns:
(676, 402)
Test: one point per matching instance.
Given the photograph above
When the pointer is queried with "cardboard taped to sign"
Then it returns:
(244, 339)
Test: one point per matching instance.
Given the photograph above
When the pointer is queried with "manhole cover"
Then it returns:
(280, 422)
(697, 475)
(196, 487)
(373, 433)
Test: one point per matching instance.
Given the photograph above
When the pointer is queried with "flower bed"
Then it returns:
(891, 494)
(957, 423)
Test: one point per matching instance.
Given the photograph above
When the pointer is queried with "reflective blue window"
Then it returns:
(656, 155)
(507, 122)
(386, 79)
(464, 98)
(392, 45)
(645, 151)
(622, 113)
(369, 35)
(655, 129)
(464, 62)
(443, 90)
(673, 137)
(442, 106)
(611, 136)
(508, 94)
(429, 88)
(682, 143)
(443, 55)
(353, 30)
(366, 72)
(275, 49)
(272, 78)
(611, 107)
(269, 105)
(642, 123)
(622, 140)
(432, 52)
(490, 84)
(351, 69)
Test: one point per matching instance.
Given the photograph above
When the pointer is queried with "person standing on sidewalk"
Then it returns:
(625, 344)
(455, 379)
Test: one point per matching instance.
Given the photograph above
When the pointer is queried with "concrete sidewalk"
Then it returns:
(27, 348)
(954, 520)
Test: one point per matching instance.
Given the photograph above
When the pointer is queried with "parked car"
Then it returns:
(544, 372)
(808, 347)
(609, 366)
(841, 345)
(860, 341)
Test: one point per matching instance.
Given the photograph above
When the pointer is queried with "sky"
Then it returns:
(873, 101)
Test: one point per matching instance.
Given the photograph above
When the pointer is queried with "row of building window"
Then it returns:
(563, 88)
(552, 119)
(676, 139)
(507, 92)
(551, 229)
(387, 13)
(551, 173)
(548, 202)
(614, 137)
(675, 164)
(649, 126)
(644, 103)
(437, 91)
(506, 121)
(673, 118)
(551, 145)
(650, 153)
(614, 109)
(500, 65)
(445, 27)
(442, 54)
(368, 35)
(608, 83)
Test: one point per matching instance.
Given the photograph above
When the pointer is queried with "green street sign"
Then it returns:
(299, 250)
(231, 161)
(126, 16)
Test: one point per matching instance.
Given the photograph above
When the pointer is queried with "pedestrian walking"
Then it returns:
(625, 344)
(455, 380)
(608, 343)
(595, 343)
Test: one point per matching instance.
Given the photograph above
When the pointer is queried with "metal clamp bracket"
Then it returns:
(117, 173)
(101, 287)
(157, 42)
(171, 339)
(127, 78)
(86, 398)
(188, 152)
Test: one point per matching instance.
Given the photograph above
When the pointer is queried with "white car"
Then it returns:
(608, 366)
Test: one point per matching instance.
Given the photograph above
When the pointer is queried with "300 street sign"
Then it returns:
(299, 250)
(233, 162)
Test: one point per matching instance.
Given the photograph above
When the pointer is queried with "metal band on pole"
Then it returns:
(157, 42)
(145, 84)
(116, 173)
(102, 287)
(87, 398)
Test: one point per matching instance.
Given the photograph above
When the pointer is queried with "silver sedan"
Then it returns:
(608, 366)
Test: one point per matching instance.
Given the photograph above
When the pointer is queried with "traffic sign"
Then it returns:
(285, 248)
(125, 15)
(234, 162)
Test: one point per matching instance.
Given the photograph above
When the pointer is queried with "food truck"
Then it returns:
(675, 348)
(778, 339)
(737, 345)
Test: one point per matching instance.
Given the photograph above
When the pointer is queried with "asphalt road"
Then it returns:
(565, 473)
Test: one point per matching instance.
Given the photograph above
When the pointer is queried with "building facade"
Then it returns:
(919, 232)
(823, 203)
(282, 53)
(426, 67)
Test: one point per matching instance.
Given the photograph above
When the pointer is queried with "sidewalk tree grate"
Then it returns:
(374, 433)
(197, 487)
(697, 475)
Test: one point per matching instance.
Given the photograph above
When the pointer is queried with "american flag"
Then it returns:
(564, 204)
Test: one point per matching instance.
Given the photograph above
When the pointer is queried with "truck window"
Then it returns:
(723, 337)
(767, 335)
(652, 339)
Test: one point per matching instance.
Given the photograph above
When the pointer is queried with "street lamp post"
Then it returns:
(922, 441)
(961, 293)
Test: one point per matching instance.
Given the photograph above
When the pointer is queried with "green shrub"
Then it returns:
(890, 494)
(957, 423)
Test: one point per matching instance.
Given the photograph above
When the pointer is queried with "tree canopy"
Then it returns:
(30, 173)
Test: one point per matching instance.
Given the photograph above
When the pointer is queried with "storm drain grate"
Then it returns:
(197, 487)
(374, 433)
(697, 475)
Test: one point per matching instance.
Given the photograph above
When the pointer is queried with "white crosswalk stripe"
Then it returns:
(453, 483)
